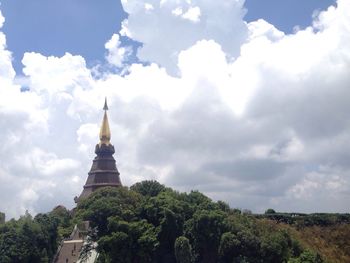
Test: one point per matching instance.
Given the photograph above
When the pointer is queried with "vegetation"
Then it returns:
(152, 223)
(2, 218)
(300, 220)
(31, 239)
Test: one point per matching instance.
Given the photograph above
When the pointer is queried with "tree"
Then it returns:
(148, 188)
(270, 211)
(128, 242)
(310, 257)
(115, 247)
(170, 229)
(249, 243)
(223, 206)
(44, 256)
(62, 215)
(229, 247)
(107, 202)
(307, 257)
(21, 241)
(199, 200)
(275, 247)
(166, 212)
(183, 251)
(47, 240)
(2, 218)
(246, 212)
(206, 230)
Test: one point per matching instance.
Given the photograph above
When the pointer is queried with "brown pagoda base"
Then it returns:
(103, 172)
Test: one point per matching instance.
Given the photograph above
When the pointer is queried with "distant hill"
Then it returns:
(326, 234)
(153, 223)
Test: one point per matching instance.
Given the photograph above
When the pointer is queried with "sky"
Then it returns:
(245, 101)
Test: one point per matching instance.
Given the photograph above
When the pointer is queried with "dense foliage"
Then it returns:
(29, 239)
(152, 223)
(306, 220)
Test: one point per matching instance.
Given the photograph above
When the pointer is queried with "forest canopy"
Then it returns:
(149, 222)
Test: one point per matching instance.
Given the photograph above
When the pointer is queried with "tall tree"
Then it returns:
(183, 251)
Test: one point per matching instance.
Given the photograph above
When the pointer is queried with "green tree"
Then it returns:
(44, 256)
(170, 228)
(229, 247)
(270, 211)
(275, 247)
(23, 241)
(128, 242)
(115, 247)
(206, 230)
(183, 251)
(107, 202)
(307, 257)
(148, 188)
(224, 206)
(166, 211)
(249, 243)
(62, 215)
(2, 218)
(199, 201)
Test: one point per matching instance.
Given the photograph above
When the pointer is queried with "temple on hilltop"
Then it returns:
(103, 171)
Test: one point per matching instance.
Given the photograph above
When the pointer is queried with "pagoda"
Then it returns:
(103, 171)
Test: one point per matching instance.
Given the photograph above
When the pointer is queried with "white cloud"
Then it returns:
(261, 28)
(45, 163)
(116, 54)
(53, 75)
(250, 116)
(177, 11)
(192, 14)
(148, 7)
(2, 20)
(180, 24)
(329, 184)
(7, 72)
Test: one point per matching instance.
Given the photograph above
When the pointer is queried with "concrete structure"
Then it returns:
(104, 171)
(70, 248)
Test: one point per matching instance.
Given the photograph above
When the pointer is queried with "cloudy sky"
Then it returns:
(246, 101)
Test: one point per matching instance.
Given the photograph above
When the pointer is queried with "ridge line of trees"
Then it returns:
(149, 222)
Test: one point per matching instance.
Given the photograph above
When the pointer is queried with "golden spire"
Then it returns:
(105, 133)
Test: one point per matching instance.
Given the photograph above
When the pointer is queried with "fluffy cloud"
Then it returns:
(33, 172)
(254, 116)
(180, 24)
(7, 72)
(116, 54)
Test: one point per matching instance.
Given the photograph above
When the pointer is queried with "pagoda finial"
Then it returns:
(105, 107)
(105, 133)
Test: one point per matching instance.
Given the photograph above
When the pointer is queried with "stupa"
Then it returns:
(104, 170)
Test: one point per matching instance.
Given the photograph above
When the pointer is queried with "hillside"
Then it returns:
(152, 223)
(331, 242)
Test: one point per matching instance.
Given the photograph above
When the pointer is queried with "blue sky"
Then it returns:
(285, 14)
(248, 103)
(59, 26)
(81, 27)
